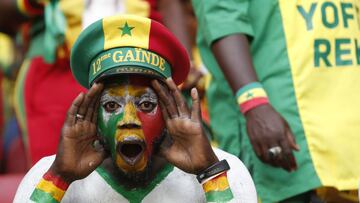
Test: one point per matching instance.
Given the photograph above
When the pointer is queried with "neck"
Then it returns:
(158, 164)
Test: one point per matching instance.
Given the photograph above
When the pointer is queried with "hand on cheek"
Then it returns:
(187, 147)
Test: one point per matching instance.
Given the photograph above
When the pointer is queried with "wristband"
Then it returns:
(213, 170)
(50, 187)
(250, 96)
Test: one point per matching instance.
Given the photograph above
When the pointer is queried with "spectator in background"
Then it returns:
(44, 86)
(13, 162)
(12, 154)
(294, 66)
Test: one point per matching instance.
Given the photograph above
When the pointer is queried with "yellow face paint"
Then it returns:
(124, 108)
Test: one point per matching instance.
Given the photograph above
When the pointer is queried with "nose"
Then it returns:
(130, 119)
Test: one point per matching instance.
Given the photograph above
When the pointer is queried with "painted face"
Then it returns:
(130, 119)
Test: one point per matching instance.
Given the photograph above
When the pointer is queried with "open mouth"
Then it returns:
(131, 150)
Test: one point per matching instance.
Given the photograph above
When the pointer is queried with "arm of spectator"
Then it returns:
(226, 28)
(175, 17)
(265, 127)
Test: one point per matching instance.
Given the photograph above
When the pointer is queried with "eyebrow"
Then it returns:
(107, 97)
(149, 94)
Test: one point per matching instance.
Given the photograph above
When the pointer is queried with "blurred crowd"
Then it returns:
(37, 86)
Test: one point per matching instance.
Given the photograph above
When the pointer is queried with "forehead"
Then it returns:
(132, 85)
(129, 89)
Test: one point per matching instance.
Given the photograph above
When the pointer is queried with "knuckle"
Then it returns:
(69, 113)
(169, 124)
(82, 110)
(75, 104)
(90, 109)
(277, 133)
(90, 95)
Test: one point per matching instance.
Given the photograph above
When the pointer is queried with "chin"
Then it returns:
(133, 162)
(138, 178)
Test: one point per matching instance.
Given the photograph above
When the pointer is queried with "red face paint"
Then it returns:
(152, 125)
(139, 104)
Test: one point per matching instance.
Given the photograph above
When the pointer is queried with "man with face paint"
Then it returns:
(131, 123)
(131, 137)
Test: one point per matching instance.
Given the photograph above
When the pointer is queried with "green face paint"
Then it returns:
(129, 121)
(107, 128)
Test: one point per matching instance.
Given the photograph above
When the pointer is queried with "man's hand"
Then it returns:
(187, 147)
(79, 151)
(267, 129)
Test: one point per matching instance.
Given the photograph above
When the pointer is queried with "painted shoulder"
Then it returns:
(240, 181)
(31, 179)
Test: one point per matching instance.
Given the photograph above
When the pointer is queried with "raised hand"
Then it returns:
(79, 151)
(187, 147)
(267, 129)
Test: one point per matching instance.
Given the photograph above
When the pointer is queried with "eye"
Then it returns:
(111, 106)
(147, 106)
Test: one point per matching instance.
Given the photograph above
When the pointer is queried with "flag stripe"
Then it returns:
(246, 106)
(217, 189)
(220, 183)
(247, 87)
(219, 196)
(41, 196)
(57, 181)
(51, 189)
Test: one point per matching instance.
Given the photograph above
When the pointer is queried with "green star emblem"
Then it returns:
(249, 95)
(126, 29)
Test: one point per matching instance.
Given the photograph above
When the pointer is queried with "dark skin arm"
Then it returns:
(175, 17)
(266, 128)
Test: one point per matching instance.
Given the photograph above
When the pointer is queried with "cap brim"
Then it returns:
(126, 70)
